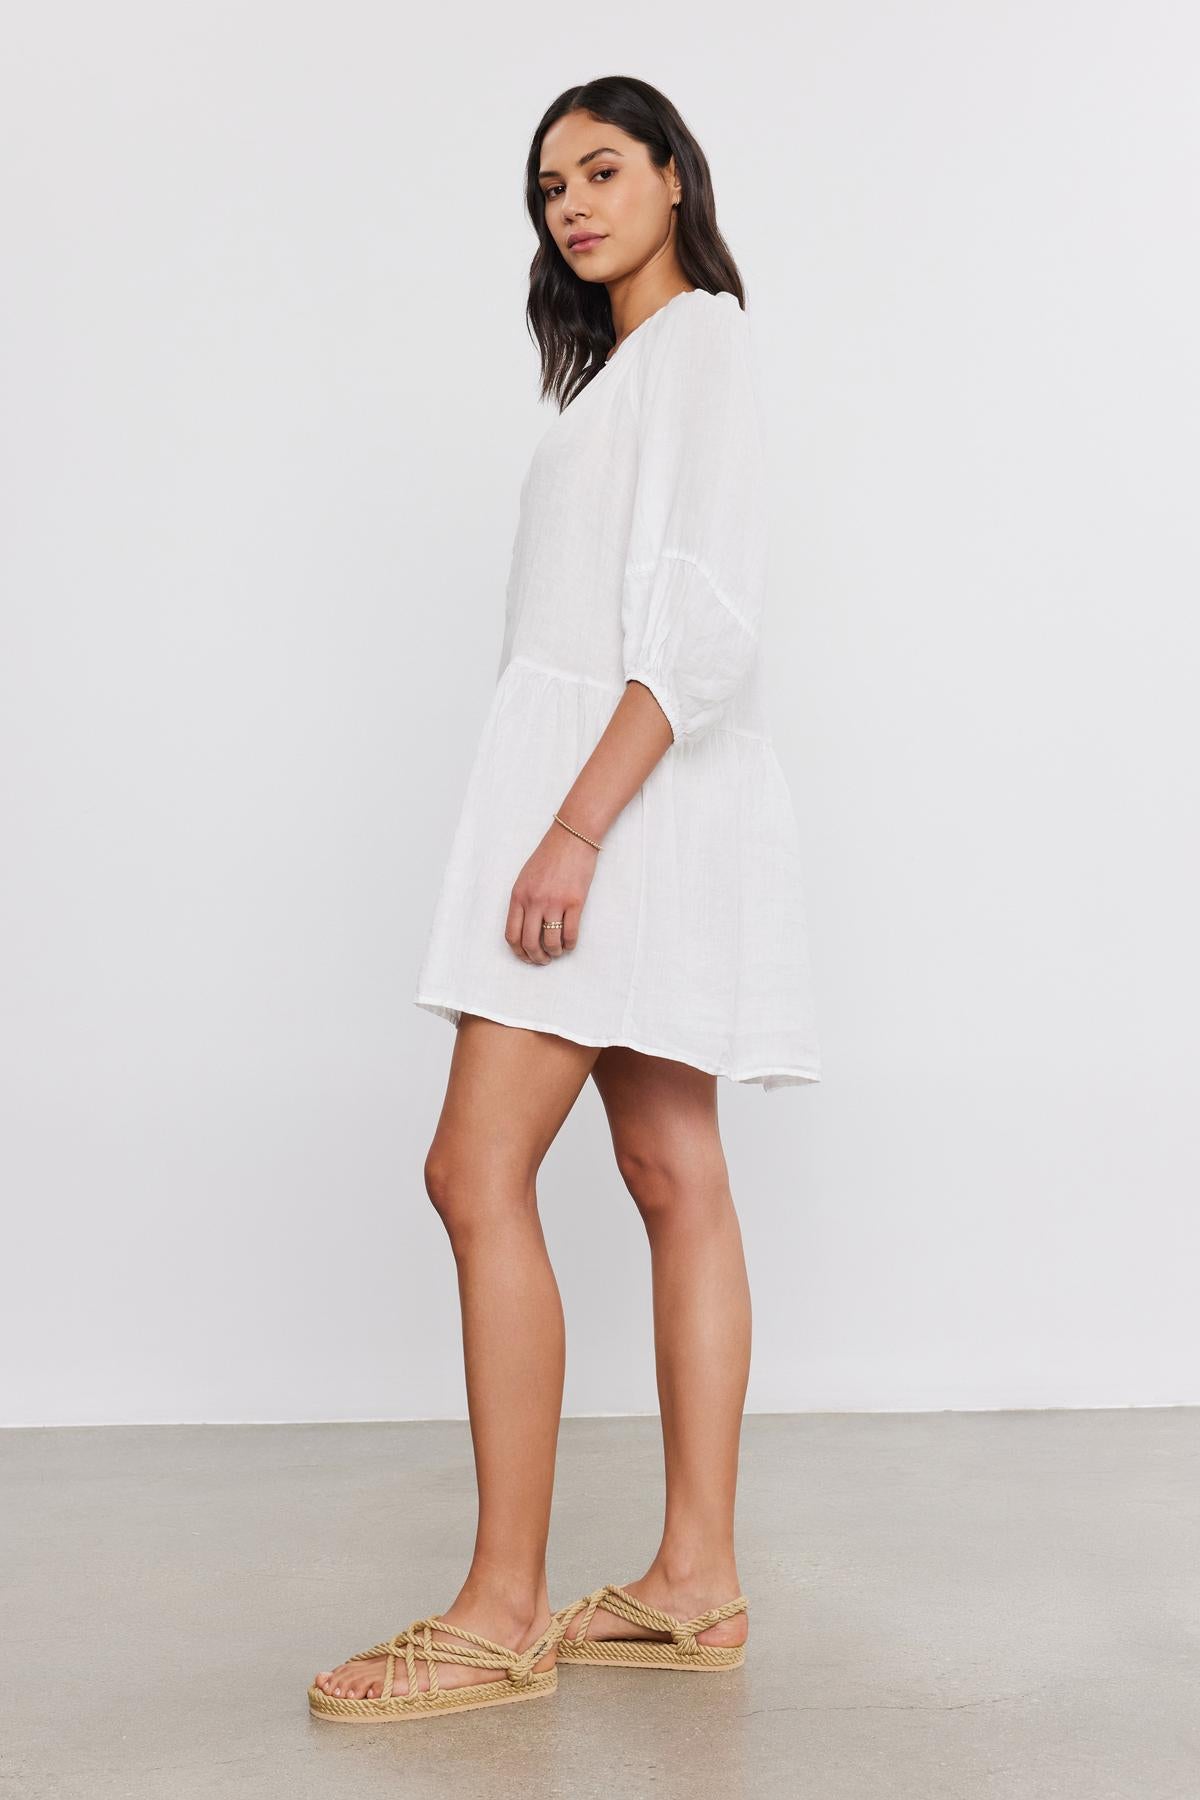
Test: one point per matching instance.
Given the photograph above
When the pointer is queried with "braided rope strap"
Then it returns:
(473, 1651)
(627, 1606)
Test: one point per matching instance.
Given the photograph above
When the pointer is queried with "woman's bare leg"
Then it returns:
(663, 1119)
(508, 1092)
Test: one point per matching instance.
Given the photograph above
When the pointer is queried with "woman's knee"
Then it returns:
(439, 1180)
(673, 1181)
(468, 1196)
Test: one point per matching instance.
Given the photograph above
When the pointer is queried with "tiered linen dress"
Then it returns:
(641, 554)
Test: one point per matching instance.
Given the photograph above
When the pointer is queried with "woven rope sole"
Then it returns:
(421, 1706)
(644, 1653)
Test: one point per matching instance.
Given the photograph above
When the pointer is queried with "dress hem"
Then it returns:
(778, 1077)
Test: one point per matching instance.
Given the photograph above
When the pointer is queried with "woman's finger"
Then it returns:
(569, 934)
(514, 930)
(531, 932)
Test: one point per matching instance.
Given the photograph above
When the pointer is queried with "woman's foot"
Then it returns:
(682, 1599)
(364, 1680)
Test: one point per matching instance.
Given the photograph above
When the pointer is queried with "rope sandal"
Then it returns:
(681, 1652)
(519, 1682)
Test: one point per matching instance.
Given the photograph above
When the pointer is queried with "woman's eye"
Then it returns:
(550, 192)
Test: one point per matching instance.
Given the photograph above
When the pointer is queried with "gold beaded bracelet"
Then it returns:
(578, 834)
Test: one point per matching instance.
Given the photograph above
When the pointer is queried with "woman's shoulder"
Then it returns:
(697, 316)
(702, 343)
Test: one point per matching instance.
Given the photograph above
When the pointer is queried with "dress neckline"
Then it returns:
(683, 294)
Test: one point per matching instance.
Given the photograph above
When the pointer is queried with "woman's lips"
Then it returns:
(585, 243)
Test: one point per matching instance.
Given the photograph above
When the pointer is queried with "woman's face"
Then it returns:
(607, 207)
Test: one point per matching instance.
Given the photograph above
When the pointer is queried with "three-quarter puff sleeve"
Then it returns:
(695, 572)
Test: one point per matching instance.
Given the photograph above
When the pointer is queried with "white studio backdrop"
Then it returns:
(267, 399)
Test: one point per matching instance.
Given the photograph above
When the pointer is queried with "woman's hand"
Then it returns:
(553, 885)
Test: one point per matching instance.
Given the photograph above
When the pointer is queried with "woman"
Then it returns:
(654, 939)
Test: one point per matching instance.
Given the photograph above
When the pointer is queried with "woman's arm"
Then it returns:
(554, 882)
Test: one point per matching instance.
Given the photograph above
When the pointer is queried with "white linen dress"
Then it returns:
(641, 554)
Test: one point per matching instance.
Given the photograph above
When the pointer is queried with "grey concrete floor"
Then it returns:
(968, 1605)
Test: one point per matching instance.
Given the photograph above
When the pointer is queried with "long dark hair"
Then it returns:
(571, 320)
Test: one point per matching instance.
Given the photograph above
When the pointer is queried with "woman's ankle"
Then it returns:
(521, 1605)
(695, 1570)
